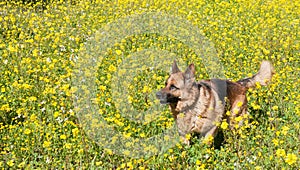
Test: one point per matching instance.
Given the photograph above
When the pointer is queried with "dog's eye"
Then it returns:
(172, 87)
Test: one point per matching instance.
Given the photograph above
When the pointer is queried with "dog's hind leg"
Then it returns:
(238, 114)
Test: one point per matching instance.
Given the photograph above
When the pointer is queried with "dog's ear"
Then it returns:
(175, 68)
(189, 74)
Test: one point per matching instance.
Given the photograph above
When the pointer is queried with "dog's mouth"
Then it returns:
(168, 101)
(164, 102)
(166, 98)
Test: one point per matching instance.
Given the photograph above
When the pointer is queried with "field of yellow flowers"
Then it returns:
(78, 82)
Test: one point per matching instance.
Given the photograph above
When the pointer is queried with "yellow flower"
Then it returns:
(27, 131)
(63, 137)
(10, 163)
(277, 133)
(33, 117)
(188, 136)
(142, 135)
(146, 89)
(68, 145)
(118, 52)
(32, 98)
(5, 107)
(126, 152)
(12, 48)
(284, 130)
(201, 167)
(224, 125)
(239, 104)
(46, 144)
(112, 68)
(208, 140)
(291, 158)
(109, 151)
(275, 108)
(98, 163)
(259, 154)
(35, 52)
(102, 88)
(75, 131)
(56, 114)
(238, 118)
(258, 168)
(275, 141)
(258, 86)
(280, 152)
(166, 137)
(80, 151)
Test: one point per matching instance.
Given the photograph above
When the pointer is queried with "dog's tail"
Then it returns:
(263, 77)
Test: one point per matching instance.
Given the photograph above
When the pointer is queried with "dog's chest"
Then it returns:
(203, 115)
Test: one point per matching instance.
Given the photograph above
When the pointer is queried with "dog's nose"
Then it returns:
(158, 94)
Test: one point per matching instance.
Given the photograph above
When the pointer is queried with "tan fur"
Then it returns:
(198, 106)
(263, 76)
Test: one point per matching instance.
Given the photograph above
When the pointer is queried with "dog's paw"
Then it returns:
(185, 141)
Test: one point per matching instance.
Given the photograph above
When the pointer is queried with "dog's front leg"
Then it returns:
(206, 128)
(210, 135)
(212, 132)
(184, 126)
(185, 140)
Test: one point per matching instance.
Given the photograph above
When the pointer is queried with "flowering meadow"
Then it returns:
(78, 82)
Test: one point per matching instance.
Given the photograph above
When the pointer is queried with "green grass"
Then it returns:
(42, 97)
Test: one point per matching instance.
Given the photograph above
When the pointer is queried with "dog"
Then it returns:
(198, 107)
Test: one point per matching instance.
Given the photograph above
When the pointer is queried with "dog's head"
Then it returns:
(177, 84)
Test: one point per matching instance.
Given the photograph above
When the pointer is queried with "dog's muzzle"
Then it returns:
(162, 97)
(166, 98)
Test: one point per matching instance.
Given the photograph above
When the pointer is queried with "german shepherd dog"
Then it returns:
(198, 107)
